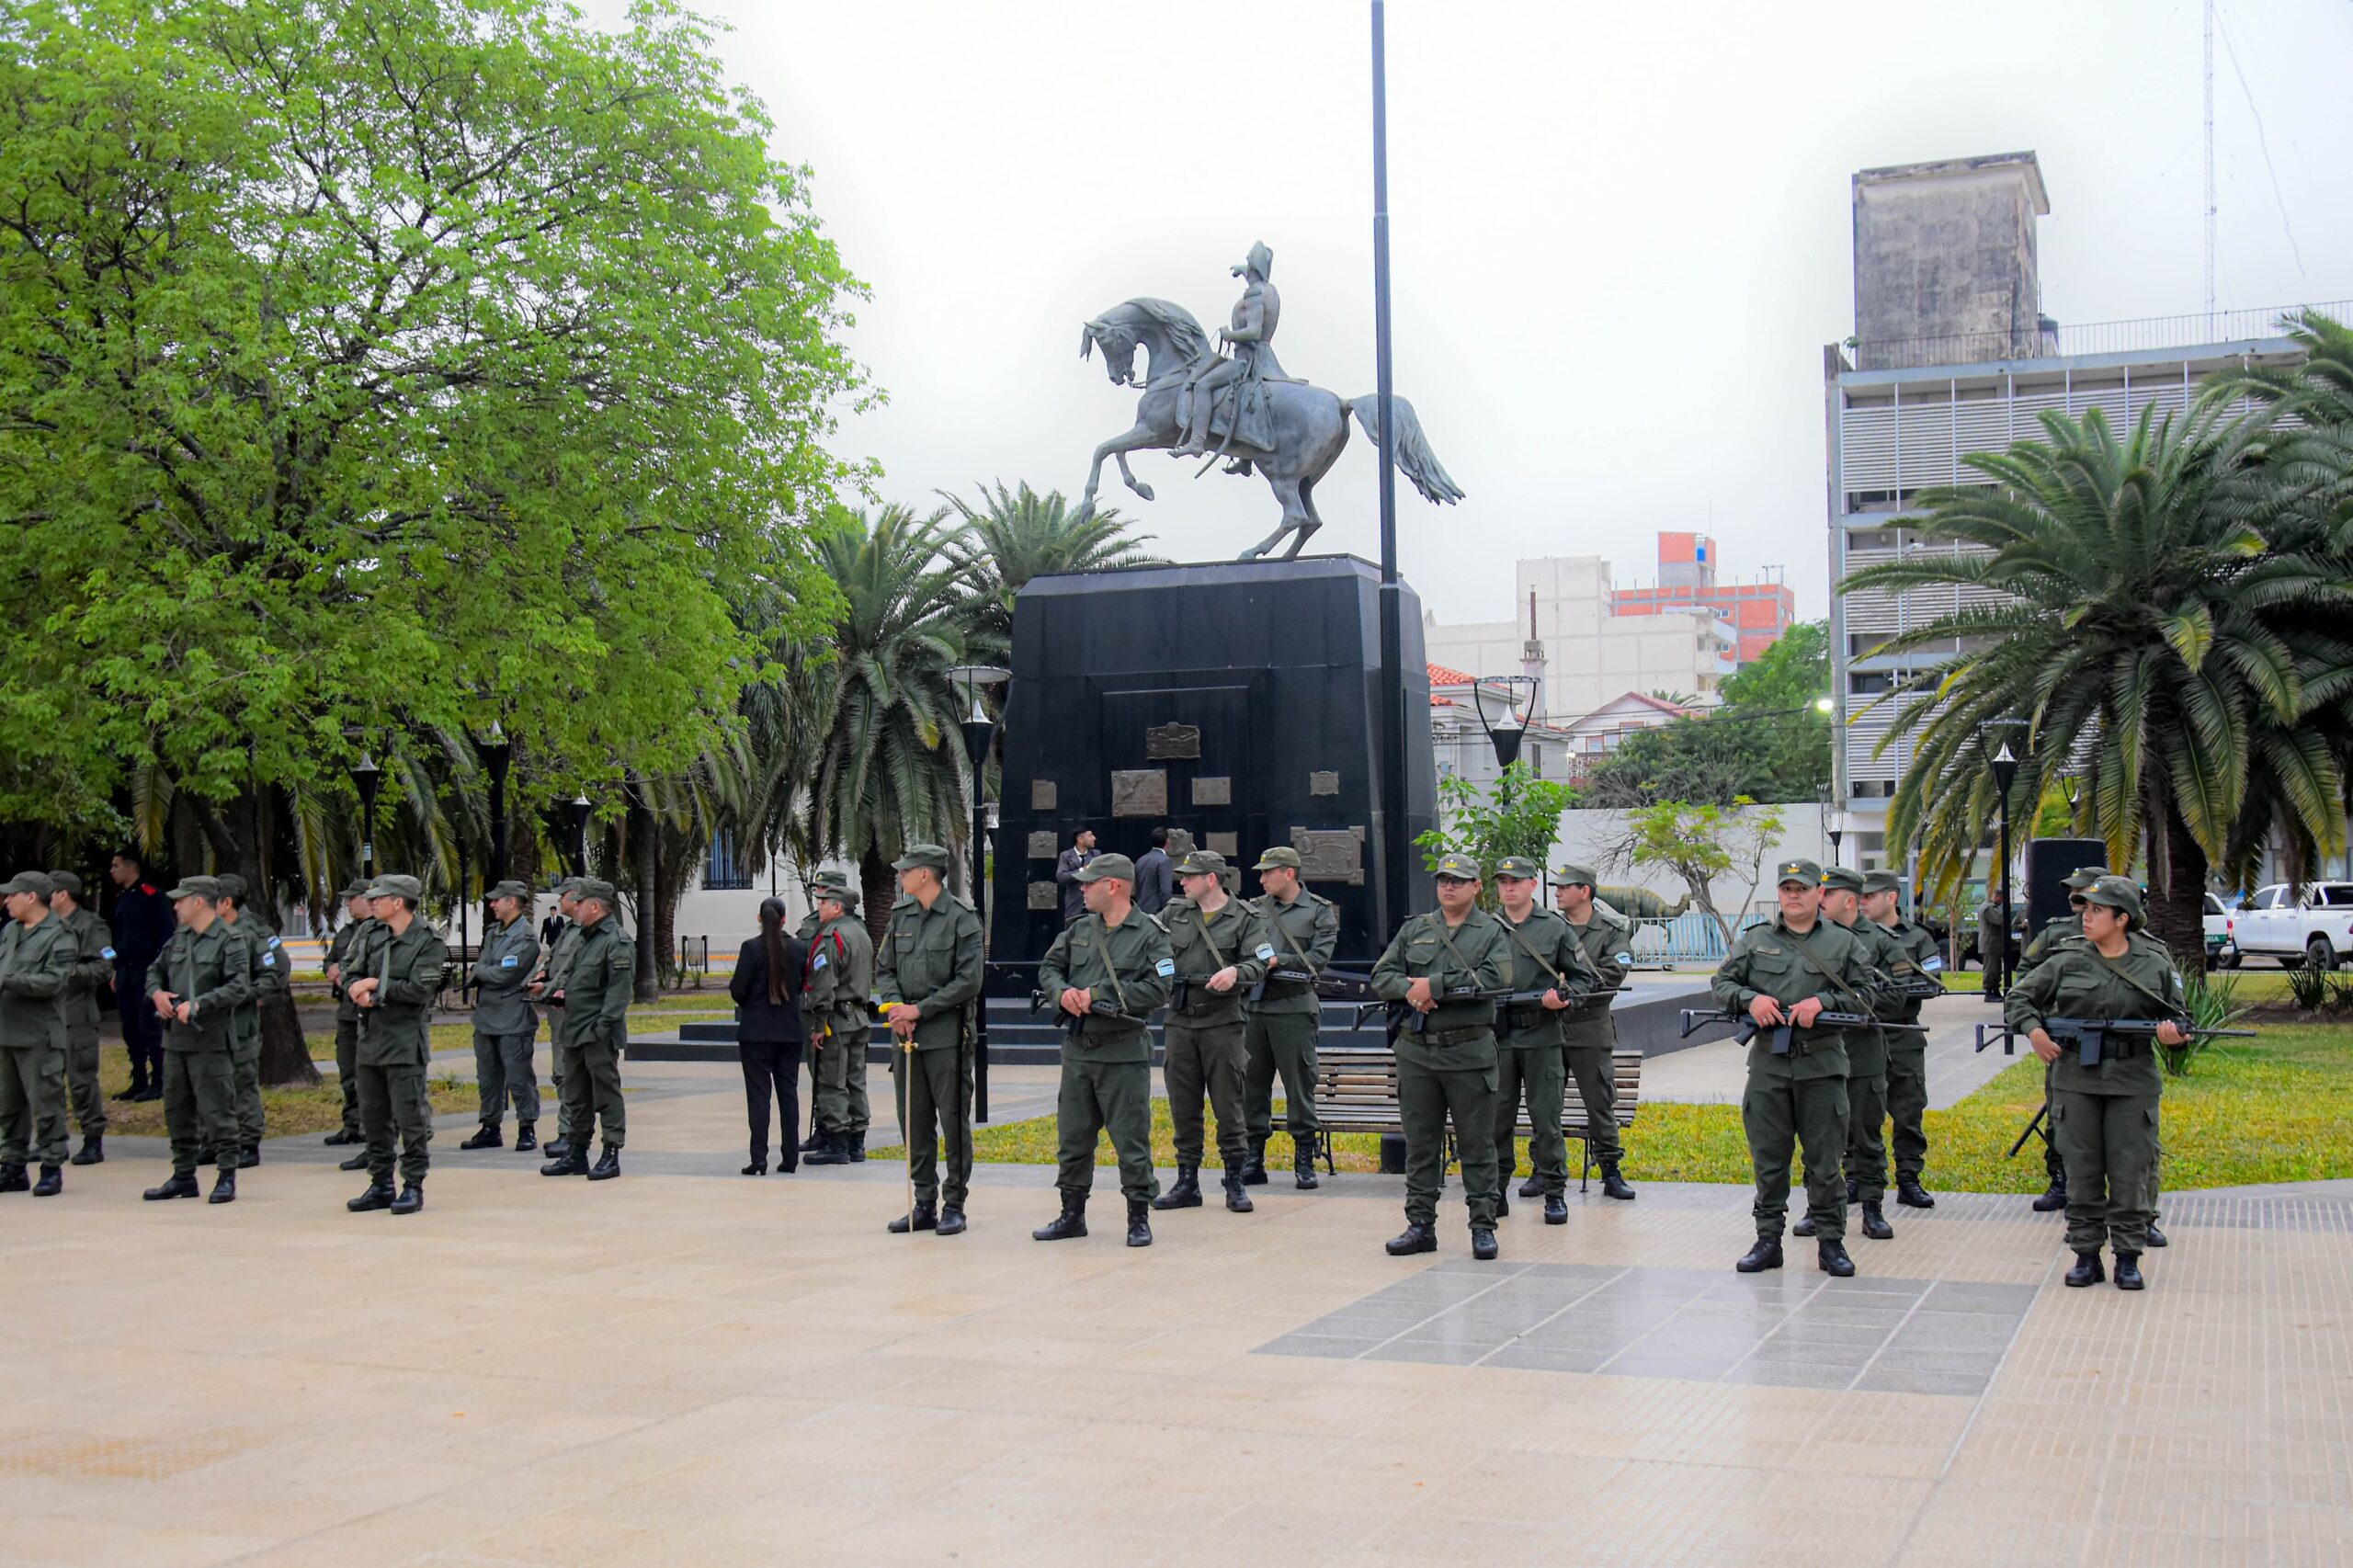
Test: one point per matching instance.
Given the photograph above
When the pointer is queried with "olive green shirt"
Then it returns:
(1827, 964)
(35, 967)
(349, 949)
(1473, 956)
(93, 967)
(266, 968)
(2077, 981)
(836, 986)
(1607, 942)
(1128, 965)
(931, 957)
(1542, 953)
(395, 1028)
(556, 962)
(599, 977)
(1202, 944)
(1304, 933)
(2047, 941)
(209, 968)
(1919, 945)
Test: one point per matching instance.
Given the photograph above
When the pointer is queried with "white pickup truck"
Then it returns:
(2311, 925)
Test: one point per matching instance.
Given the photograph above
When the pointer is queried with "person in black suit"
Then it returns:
(766, 988)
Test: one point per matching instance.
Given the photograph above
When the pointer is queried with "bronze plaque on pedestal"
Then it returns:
(1041, 795)
(1172, 743)
(1213, 791)
(1044, 846)
(1330, 855)
(1044, 895)
(1324, 783)
(1140, 792)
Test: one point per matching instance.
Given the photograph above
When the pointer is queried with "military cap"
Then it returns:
(1281, 858)
(2117, 893)
(397, 886)
(208, 888)
(1882, 882)
(1201, 863)
(1517, 866)
(1457, 868)
(569, 887)
(34, 882)
(1841, 879)
(837, 893)
(232, 886)
(65, 882)
(510, 888)
(356, 887)
(1104, 866)
(1805, 871)
(595, 888)
(830, 877)
(1568, 874)
(932, 855)
(2083, 877)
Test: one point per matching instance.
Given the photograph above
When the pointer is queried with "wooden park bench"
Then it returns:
(1356, 1091)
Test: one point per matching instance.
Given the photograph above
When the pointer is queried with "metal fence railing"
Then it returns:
(2036, 340)
(1690, 937)
(694, 960)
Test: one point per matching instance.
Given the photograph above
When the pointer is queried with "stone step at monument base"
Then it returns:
(1649, 1016)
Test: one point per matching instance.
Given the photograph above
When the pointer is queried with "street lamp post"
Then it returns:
(1508, 728)
(496, 753)
(368, 779)
(2006, 769)
(979, 731)
(1835, 824)
(579, 808)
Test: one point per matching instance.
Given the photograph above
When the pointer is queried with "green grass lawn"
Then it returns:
(286, 1112)
(2274, 1109)
(658, 1017)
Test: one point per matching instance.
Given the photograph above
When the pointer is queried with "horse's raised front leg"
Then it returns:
(1131, 439)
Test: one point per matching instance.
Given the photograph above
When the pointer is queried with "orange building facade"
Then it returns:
(1758, 613)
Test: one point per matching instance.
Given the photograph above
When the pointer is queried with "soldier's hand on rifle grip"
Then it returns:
(1075, 1002)
(1805, 1012)
(1223, 980)
(1554, 1000)
(2044, 1046)
(2171, 1033)
(1418, 995)
(1765, 1013)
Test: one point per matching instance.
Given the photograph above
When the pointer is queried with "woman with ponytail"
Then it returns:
(766, 988)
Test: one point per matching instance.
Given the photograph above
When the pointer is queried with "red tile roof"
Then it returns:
(1446, 675)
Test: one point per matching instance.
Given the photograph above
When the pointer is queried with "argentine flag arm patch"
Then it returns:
(1266, 953)
(1168, 968)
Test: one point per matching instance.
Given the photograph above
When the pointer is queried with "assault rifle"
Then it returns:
(1919, 986)
(1183, 992)
(1406, 1018)
(1332, 985)
(1072, 1024)
(1779, 1034)
(2090, 1036)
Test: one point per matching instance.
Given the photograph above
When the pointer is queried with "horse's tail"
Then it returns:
(1415, 458)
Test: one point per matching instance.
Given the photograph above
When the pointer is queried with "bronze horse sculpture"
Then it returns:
(1303, 432)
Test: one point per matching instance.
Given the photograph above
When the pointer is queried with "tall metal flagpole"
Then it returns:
(1394, 847)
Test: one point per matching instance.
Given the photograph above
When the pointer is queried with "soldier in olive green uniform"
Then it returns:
(2069, 928)
(394, 992)
(2104, 1114)
(93, 972)
(1907, 1049)
(1284, 1021)
(37, 956)
(1541, 954)
(1115, 957)
(1866, 1049)
(1789, 971)
(1446, 1057)
(819, 1140)
(1588, 1031)
(596, 989)
(547, 986)
(195, 985)
(505, 1026)
(267, 955)
(837, 1008)
(345, 952)
(927, 978)
(1222, 950)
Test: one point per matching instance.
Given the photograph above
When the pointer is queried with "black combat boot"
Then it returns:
(1503, 1204)
(2088, 1271)
(1235, 1199)
(832, 1151)
(607, 1166)
(527, 1138)
(411, 1200)
(1854, 1191)
(52, 1183)
(342, 1138)
(1556, 1210)
(2156, 1238)
(225, 1188)
(558, 1147)
(856, 1148)
(358, 1161)
(1804, 1227)
(1254, 1172)
(1764, 1254)
(2054, 1197)
(486, 1136)
(180, 1184)
(1070, 1224)
(1533, 1187)
(1302, 1162)
(925, 1218)
(1912, 1195)
(1139, 1223)
(1875, 1224)
(1831, 1257)
(2128, 1272)
(951, 1221)
(380, 1194)
(249, 1156)
(1613, 1185)
(92, 1150)
(12, 1179)
(1184, 1192)
(814, 1142)
(1413, 1239)
(1483, 1244)
(568, 1163)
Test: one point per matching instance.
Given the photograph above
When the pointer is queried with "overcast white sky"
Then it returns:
(1619, 233)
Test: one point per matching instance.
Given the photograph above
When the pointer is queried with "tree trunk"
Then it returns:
(2176, 896)
(285, 1054)
(877, 885)
(645, 860)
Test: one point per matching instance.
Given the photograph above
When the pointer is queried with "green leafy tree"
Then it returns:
(1700, 842)
(1518, 814)
(1012, 536)
(374, 369)
(2118, 601)
(1768, 739)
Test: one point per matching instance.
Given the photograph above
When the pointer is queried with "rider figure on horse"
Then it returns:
(1251, 338)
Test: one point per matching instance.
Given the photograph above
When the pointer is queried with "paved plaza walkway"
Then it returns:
(686, 1366)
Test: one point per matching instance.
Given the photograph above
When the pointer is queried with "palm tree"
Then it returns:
(1011, 536)
(886, 763)
(2116, 602)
